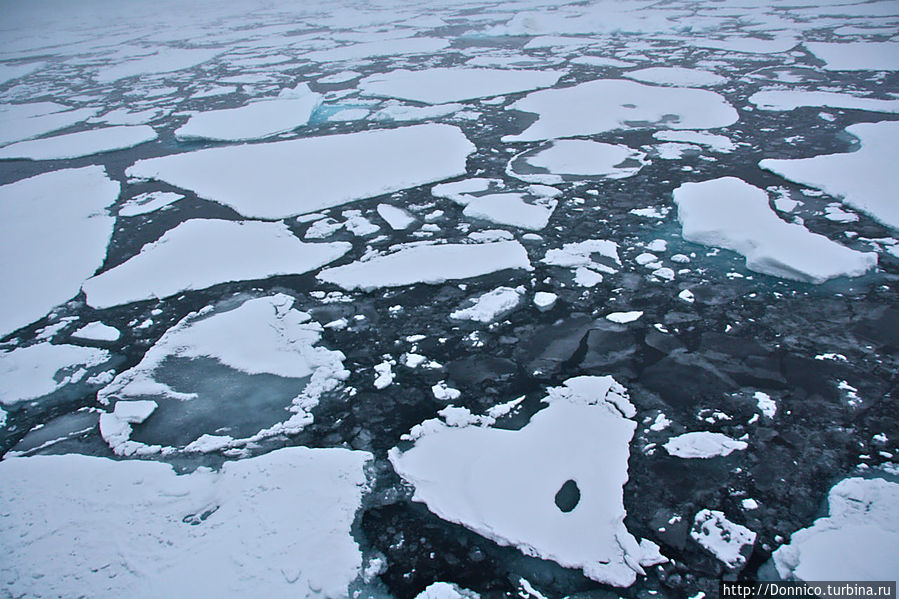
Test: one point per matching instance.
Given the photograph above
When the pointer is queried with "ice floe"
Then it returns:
(491, 305)
(200, 253)
(513, 209)
(610, 104)
(97, 331)
(505, 484)
(394, 47)
(677, 76)
(624, 317)
(579, 158)
(442, 85)
(781, 99)
(545, 300)
(38, 370)
(287, 178)
(718, 143)
(25, 121)
(396, 217)
(145, 203)
(729, 542)
(857, 56)
(857, 178)
(83, 143)
(733, 214)
(93, 526)
(446, 590)
(703, 444)
(430, 264)
(54, 229)
(163, 61)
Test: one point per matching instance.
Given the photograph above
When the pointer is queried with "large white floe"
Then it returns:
(282, 179)
(491, 305)
(857, 56)
(678, 76)
(733, 214)
(781, 99)
(24, 121)
(512, 208)
(86, 526)
(394, 47)
(37, 370)
(703, 444)
(861, 179)
(164, 61)
(505, 484)
(83, 143)
(430, 264)
(610, 104)
(728, 541)
(856, 541)
(54, 229)
(200, 253)
(441, 85)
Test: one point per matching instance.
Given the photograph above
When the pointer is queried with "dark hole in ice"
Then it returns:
(568, 496)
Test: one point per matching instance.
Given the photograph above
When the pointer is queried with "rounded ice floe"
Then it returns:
(97, 331)
(83, 143)
(703, 444)
(576, 158)
(441, 85)
(38, 370)
(733, 214)
(856, 541)
(611, 104)
(677, 76)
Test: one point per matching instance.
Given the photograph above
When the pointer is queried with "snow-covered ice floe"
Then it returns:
(610, 104)
(857, 540)
(287, 178)
(733, 214)
(430, 264)
(579, 158)
(162, 61)
(97, 331)
(540, 488)
(54, 229)
(857, 56)
(703, 444)
(148, 202)
(200, 253)
(677, 76)
(861, 178)
(25, 121)
(781, 99)
(38, 370)
(83, 143)
(729, 542)
(491, 305)
(87, 526)
(441, 85)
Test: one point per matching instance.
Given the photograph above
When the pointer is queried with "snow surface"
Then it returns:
(263, 180)
(584, 157)
(55, 224)
(446, 590)
(703, 444)
(25, 121)
(163, 61)
(38, 370)
(491, 305)
(83, 143)
(545, 300)
(676, 76)
(718, 143)
(441, 85)
(148, 202)
(611, 104)
(511, 209)
(858, 178)
(88, 526)
(733, 214)
(200, 253)
(502, 483)
(857, 540)
(97, 331)
(726, 540)
(396, 217)
(624, 317)
(857, 56)
(781, 99)
(430, 264)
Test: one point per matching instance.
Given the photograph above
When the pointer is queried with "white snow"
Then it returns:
(733, 214)
(580, 257)
(25, 121)
(458, 191)
(446, 590)
(766, 405)
(38, 370)
(257, 120)
(93, 526)
(384, 372)
(164, 61)
(55, 224)
(676, 76)
(145, 203)
(83, 143)
(610, 104)
(624, 317)
(511, 209)
(443, 392)
(287, 178)
(502, 483)
(397, 218)
(545, 300)
(718, 143)
(703, 444)
(723, 538)
(430, 264)
(789, 99)
(584, 157)
(491, 305)
(857, 56)
(394, 111)
(441, 85)
(856, 541)
(394, 47)
(858, 178)
(97, 331)
(200, 253)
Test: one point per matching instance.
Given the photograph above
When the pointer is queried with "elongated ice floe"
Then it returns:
(856, 541)
(83, 143)
(718, 143)
(200, 253)
(728, 541)
(857, 56)
(539, 489)
(394, 47)
(610, 104)
(287, 178)
(88, 526)
(491, 305)
(24, 121)
(430, 264)
(54, 229)
(38, 370)
(703, 444)
(781, 99)
(678, 76)
(577, 157)
(733, 214)
(861, 179)
(441, 85)
(164, 61)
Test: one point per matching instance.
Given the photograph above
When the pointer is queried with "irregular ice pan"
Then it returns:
(733, 214)
(201, 253)
(676, 76)
(703, 444)
(856, 541)
(577, 157)
(288, 178)
(24, 121)
(491, 305)
(610, 104)
(164, 61)
(726, 540)
(54, 229)
(76, 145)
(505, 484)
(857, 56)
(103, 528)
(441, 85)
(429, 264)
(780, 99)
(860, 179)
(38, 370)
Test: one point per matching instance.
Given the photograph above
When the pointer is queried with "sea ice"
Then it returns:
(38, 370)
(25, 121)
(677, 76)
(397, 218)
(145, 203)
(858, 178)
(723, 538)
(856, 541)
(857, 56)
(544, 300)
(201, 253)
(164, 61)
(76, 145)
(610, 104)
(718, 143)
(287, 178)
(54, 229)
(733, 214)
(780, 99)
(83, 525)
(511, 209)
(491, 305)
(394, 47)
(703, 444)
(580, 158)
(624, 317)
(97, 331)
(505, 484)
(445, 590)
(441, 85)
(430, 264)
